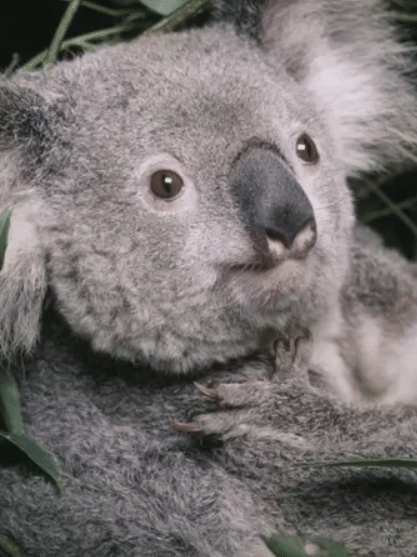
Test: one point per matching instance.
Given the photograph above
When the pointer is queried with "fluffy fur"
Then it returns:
(146, 294)
(349, 58)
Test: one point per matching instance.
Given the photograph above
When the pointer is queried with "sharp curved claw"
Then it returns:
(186, 427)
(206, 392)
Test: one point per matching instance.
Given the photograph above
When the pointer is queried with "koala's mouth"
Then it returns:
(257, 265)
(265, 263)
(270, 282)
(273, 253)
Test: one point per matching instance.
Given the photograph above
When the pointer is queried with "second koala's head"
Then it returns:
(178, 198)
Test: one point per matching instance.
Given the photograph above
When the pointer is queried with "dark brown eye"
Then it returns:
(306, 149)
(166, 184)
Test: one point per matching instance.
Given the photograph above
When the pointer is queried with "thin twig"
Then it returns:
(109, 11)
(78, 41)
(374, 215)
(62, 31)
(14, 62)
(394, 208)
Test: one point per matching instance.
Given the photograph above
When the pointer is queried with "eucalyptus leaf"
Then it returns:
(163, 7)
(36, 453)
(10, 402)
(4, 232)
(15, 430)
(9, 547)
(328, 547)
(284, 545)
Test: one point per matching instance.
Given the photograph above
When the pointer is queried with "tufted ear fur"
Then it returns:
(23, 276)
(349, 56)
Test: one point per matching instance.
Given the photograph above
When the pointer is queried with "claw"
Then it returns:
(283, 344)
(186, 427)
(206, 392)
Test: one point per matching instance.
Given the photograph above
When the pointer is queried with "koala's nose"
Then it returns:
(274, 207)
(298, 239)
(289, 223)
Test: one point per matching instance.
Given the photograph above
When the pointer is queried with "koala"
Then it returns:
(183, 258)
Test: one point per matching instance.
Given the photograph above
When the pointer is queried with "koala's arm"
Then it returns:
(287, 404)
(275, 431)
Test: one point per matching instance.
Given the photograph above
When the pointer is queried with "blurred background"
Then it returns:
(33, 32)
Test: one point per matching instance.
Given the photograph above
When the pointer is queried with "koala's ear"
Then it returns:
(350, 58)
(23, 275)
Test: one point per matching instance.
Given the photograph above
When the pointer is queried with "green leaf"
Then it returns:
(284, 545)
(15, 430)
(4, 231)
(382, 462)
(163, 7)
(10, 402)
(36, 453)
(9, 547)
(331, 548)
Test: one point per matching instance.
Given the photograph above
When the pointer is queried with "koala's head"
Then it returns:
(179, 199)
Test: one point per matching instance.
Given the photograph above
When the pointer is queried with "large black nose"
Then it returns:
(272, 203)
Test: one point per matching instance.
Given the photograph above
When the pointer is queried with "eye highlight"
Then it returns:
(306, 149)
(166, 184)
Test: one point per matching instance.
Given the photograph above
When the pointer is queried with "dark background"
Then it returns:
(28, 26)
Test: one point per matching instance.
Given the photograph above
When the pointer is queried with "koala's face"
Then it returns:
(187, 199)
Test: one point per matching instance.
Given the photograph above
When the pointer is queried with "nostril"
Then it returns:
(291, 235)
(273, 205)
(313, 231)
(279, 236)
(306, 237)
(305, 240)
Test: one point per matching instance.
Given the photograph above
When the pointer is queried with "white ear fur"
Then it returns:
(348, 56)
(22, 284)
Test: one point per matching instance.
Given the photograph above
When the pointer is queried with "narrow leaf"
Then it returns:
(9, 547)
(4, 232)
(329, 548)
(36, 453)
(10, 402)
(283, 545)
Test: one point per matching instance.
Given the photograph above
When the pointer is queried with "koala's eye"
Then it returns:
(306, 149)
(166, 184)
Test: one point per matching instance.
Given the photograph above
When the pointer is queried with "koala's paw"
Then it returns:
(229, 406)
(233, 407)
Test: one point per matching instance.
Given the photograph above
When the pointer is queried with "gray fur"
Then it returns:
(147, 295)
(348, 57)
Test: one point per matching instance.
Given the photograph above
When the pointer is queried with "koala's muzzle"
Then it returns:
(273, 206)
